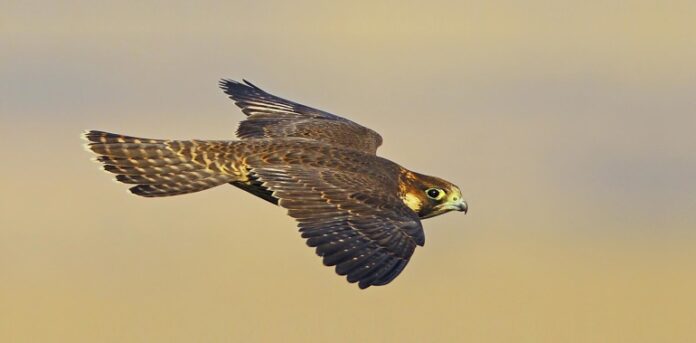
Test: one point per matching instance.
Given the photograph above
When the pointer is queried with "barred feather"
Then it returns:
(159, 167)
(176, 188)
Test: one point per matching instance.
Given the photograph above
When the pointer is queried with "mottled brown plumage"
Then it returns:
(360, 211)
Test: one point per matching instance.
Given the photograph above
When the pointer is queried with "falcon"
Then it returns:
(361, 212)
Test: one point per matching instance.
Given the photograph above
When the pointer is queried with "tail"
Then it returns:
(160, 168)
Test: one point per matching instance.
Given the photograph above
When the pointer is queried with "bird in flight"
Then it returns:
(360, 211)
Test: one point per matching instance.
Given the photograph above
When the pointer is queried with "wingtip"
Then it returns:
(251, 84)
(231, 87)
(227, 84)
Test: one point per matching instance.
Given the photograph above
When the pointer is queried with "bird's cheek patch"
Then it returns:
(412, 201)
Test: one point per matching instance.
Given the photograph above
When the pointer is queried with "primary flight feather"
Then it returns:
(360, 211)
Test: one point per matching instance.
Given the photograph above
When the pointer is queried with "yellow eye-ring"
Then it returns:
(435, 193)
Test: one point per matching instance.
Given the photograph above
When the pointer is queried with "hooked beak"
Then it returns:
(460, 206)
(463, 207)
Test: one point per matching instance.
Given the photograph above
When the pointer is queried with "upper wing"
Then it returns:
(356, 225)
(270, 116)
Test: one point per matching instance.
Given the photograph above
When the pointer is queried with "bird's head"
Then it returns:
(430, 196)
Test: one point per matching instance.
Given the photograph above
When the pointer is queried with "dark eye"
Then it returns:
(434, 193)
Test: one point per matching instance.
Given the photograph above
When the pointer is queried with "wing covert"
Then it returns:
(362, 230)
(269, 116)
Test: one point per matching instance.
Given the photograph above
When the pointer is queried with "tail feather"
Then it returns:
(131, 150)
(107, 137)
(159, 167)
(140, 162)
(149, 170)
(153, 179)
(168, 189)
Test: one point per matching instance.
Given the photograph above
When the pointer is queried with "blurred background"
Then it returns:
(569, 126)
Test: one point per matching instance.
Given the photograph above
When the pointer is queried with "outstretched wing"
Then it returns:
(270, 116)
(354, 223)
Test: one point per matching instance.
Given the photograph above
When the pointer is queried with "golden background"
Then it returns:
(568, 125)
